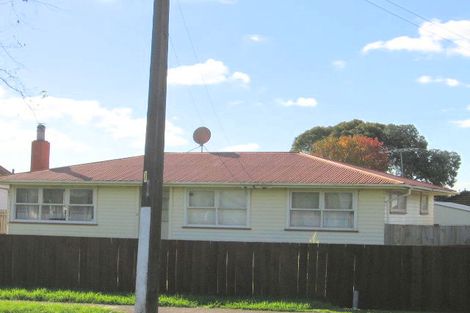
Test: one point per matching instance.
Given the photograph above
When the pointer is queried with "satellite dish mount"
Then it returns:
(201, 136)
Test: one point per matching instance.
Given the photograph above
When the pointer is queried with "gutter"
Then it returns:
(408, 188)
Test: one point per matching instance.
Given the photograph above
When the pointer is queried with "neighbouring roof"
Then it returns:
(268, 168)
(452, 205)
(461, 198)
(4, 171)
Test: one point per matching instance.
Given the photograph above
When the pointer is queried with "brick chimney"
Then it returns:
(40, 149)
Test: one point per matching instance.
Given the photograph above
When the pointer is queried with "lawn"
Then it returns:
(34, 307)
(247, 303)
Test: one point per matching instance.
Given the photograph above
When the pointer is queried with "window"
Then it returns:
(321, 210)
(165, 204)
(222, 208)
(54, 204)
(397, 203)
(424, 204)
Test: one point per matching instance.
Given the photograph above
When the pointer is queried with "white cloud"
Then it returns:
(211, 72)
(257, 38)
(463, 123)
(301, 102)
(449, 37)
(79, 130)
(451, 82)
(242, 148)
(3, 92)
(339, 64)
(242, 77)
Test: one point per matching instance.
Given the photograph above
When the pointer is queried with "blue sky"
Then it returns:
(257, 73)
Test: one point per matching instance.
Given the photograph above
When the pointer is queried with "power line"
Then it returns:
(426, 19)
(191, 96)
(193, 48)
(405, 19)
(209, 97)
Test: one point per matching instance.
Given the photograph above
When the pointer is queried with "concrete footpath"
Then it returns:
(130, 309)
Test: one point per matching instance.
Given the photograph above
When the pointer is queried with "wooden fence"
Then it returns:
(3, 221)
(427, 235)
(387, 277)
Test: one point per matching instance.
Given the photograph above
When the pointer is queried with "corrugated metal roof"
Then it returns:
(4, 171)
(226, 167)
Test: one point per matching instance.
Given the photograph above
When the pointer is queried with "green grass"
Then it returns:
(65, 296)
(247, 303)
(34, 307)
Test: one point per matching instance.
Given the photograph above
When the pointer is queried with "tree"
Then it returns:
(357, 150)
(436, 166)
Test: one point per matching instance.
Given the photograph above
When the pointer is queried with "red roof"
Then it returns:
(4, 171)
(271, 168)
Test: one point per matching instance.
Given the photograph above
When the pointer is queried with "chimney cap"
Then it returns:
(41, 132)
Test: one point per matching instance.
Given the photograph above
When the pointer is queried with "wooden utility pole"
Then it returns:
(148, 259)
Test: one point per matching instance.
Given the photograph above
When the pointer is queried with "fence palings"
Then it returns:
(387, 277)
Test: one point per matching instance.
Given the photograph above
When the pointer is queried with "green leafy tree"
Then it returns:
(404, 143)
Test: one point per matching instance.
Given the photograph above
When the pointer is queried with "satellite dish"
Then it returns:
(201, 136)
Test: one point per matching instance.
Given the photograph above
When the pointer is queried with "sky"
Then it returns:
(257, 73)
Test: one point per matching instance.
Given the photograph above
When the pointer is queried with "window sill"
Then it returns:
(398, 213)
(54, 222)
(217, 227)
(345, 230)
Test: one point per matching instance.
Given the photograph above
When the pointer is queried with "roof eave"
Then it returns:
(250, 185)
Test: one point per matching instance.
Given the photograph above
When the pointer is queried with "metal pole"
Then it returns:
(148, 263)
(401, 164)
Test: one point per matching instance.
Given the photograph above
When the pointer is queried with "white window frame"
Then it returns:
(66, 205)
(216, 208)
(421, 196)
(322, 209)
(397, 211)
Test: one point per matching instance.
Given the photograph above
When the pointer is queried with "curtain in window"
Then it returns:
(53, 212)
(305, 200)
(201, 216)
(202, 199)
(305, 218)
(27, 212)
(338, 200)
(81, 196)
(24, 195)
(55, 196)
(338, 219)
(81, 213)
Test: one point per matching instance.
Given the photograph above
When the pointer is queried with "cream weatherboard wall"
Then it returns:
(116, 216)
(412, 215)
(267, 217)
(450, 214)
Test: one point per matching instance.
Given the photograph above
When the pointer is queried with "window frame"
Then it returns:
(397, 211)
(421, 196)
(66, 203)
(322, 208)
(216, 208)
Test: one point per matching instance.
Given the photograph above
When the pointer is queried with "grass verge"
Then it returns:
(34, 307)
(247, 303)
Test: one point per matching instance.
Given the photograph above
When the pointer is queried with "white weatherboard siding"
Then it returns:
(412, 216)
(268, 221)
(450, 214)
(3, 197)
(116, 216)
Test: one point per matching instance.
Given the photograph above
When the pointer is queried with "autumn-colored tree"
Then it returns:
(357, 150)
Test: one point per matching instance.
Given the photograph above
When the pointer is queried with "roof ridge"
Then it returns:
(353, 167)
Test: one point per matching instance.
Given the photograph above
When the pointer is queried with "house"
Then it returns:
(451, 214)
(3, 202)
(246, 196)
